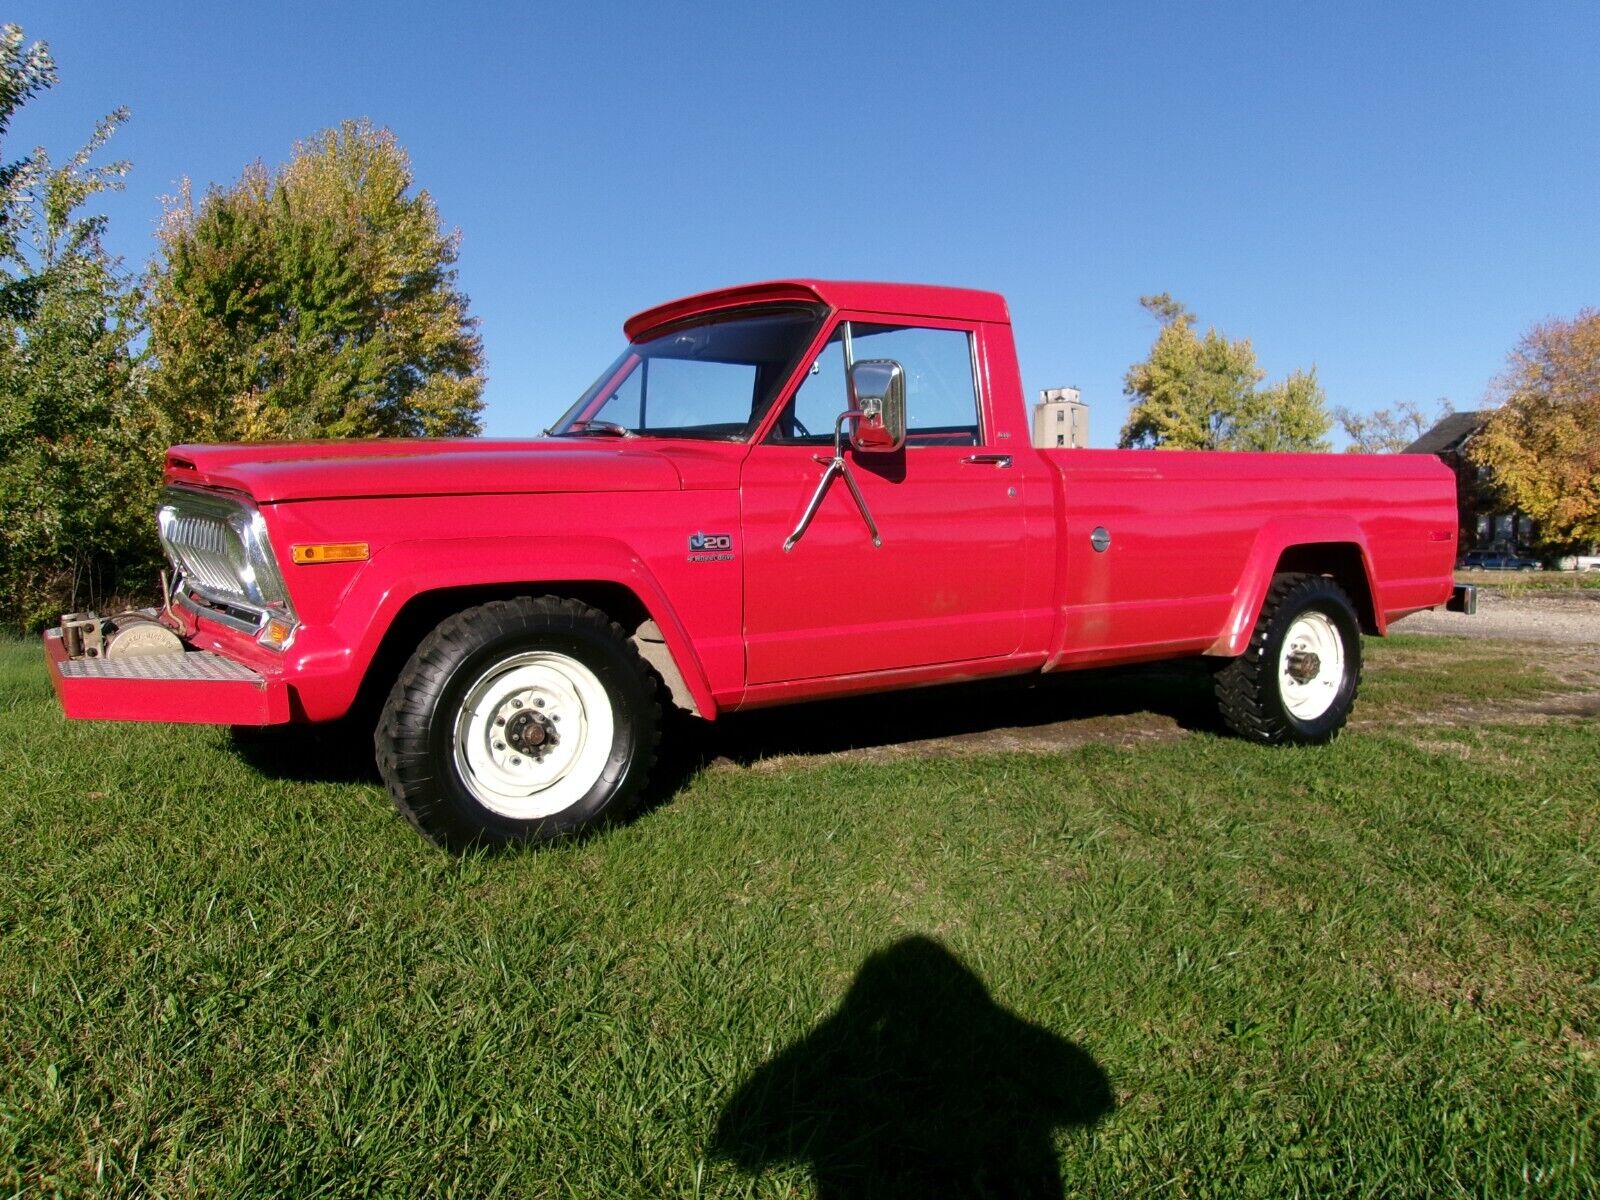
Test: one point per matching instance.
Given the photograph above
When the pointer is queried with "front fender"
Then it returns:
(401, 571)
(1272, 541)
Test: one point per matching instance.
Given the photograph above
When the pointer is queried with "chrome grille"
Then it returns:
(209, 555)
(221, 556)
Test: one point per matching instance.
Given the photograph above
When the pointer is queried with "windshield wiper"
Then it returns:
(609, 428)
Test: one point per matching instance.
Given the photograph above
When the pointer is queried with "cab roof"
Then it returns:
(889, 299)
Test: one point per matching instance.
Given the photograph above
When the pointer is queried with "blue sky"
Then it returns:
(1392, 192)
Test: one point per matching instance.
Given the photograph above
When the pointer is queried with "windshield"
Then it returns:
(712, 378)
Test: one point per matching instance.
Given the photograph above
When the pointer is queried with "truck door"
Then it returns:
(946, 584)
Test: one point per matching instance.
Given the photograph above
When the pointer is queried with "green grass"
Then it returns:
(1517, 583)
(1410, 676)
(1367, 969)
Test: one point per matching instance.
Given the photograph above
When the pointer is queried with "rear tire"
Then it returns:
(520, 720)
(1297, 681)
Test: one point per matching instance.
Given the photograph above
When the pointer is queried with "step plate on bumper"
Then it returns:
(192, 688)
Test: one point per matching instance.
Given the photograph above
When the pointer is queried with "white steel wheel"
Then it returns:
(533, 735)
(1297, 679)
(1311, 665)
(522, 720)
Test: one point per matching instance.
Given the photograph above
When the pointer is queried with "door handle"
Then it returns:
(989, 460)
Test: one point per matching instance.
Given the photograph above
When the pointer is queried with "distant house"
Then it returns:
(1484, 524)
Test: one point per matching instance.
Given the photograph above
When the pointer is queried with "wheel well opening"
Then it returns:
(1341, 562)
(419, 615)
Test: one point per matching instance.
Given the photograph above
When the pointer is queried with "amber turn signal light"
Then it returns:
(276, 633)
(328, 552)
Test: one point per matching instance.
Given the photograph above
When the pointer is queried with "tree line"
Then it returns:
(1539, 449)
(1195, 392)
(314, 299)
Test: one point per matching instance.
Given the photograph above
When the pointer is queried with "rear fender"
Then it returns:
(403, 571)
(1275, 539)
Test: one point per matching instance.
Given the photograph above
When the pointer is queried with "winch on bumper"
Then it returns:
(154, 676)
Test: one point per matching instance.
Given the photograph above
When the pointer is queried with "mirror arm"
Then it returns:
(861, 505)
(838, 429)
(836, 466)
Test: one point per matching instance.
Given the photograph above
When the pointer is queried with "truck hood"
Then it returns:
(288, 471)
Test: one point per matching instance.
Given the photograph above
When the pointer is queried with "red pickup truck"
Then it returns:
(776, 493)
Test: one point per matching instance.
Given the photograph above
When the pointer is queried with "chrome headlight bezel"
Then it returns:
(220, 553)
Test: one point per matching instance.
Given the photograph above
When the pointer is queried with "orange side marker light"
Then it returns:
(330, 552)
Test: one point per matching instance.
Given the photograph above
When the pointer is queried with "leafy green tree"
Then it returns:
(315, 300)
(1389, 430)
(1542, 445)
(1204, 393)
(80, 447)
(24, 72)
(1287, 417)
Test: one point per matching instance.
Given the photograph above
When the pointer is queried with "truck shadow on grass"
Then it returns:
(1119, 704)
(338, 752)
(1122, 704)
(918, 1085)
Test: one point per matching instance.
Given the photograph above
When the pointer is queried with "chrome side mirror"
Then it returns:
(877, 416)
(878, 404)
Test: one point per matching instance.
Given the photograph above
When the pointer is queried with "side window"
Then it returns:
(941, 395)
(822, 396)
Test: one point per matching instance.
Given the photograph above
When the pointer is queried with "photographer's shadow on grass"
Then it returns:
(919, 1085)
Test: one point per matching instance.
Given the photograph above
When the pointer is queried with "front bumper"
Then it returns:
(196, 688)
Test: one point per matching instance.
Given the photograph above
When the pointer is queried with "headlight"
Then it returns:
(220, 553)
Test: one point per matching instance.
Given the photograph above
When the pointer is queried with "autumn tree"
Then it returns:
(79, 443)
(1389, 430)
(1542, 444)
(315, 300)
(1198, 392)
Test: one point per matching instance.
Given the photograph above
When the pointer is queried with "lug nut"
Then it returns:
(516, 704)
(499, 745)
(499, 720)
(538, 703)
(515, 761)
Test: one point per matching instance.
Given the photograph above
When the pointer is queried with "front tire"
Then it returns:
(1297, 681)
(520, 720)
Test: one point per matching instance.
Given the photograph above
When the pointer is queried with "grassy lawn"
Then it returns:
(1516, 583)
(1191, 967)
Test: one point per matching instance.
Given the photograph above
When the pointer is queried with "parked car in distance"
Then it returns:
(1485, 560)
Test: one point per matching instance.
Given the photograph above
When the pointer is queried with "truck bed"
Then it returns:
(1195, 537)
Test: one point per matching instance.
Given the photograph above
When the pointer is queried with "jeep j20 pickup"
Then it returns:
(776, 493)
